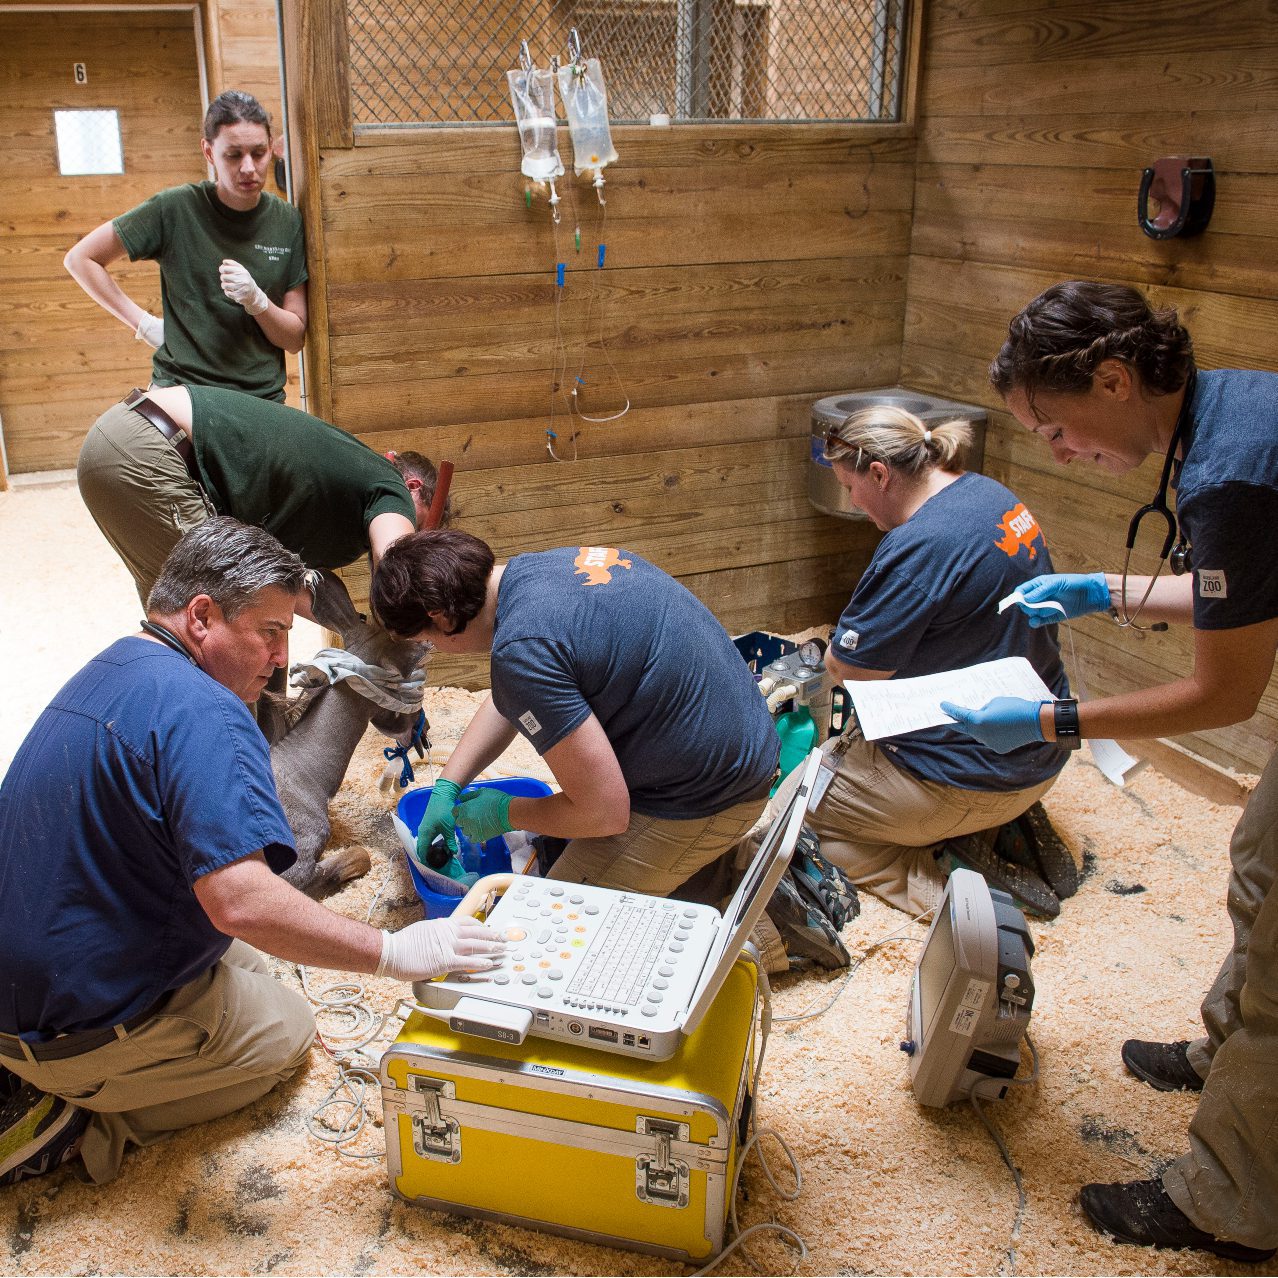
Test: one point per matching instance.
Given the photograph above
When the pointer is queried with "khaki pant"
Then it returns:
(220, 1043)
(138, 491)
(880, 824)
(1228, 1182)
(653, 855)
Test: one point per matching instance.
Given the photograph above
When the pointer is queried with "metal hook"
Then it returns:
(574, 45)
(525, 58)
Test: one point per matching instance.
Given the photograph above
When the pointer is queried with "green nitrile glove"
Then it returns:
(484, 814)
(438, 819)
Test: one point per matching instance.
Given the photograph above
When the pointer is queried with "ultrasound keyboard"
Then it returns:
(592, 964)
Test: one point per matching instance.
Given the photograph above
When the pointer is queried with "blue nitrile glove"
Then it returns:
(438, 819)
(1078, 593)
(484, 814)
(1004, 724)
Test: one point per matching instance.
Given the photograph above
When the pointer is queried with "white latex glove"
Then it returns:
(432, 947)
(241, 287)
(150, 330)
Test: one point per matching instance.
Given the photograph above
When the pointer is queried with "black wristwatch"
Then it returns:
(1065, 722)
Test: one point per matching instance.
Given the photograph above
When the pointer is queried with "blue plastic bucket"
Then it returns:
(491, 857)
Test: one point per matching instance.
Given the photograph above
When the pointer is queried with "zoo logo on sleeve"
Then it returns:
(1212, 584)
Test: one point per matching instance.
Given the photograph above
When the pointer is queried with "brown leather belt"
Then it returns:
(181, 441)
(56, 1049)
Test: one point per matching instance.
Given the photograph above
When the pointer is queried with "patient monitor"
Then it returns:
(971, 996)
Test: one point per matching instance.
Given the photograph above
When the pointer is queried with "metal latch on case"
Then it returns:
(435, 1135)
(660, 1178)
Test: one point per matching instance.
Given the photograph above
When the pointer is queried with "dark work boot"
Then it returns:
(1164, 1066)
(1026, 888)
(1054, 860)
(1142, 1212)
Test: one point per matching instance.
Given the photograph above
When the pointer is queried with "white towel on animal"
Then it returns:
(386, 688)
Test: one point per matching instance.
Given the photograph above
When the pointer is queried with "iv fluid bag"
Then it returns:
(533, 97)
(581, 87)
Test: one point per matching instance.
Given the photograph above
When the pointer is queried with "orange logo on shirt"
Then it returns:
(595, 563)
(1020, 528)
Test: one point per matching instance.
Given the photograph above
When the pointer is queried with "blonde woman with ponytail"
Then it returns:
(899, 813)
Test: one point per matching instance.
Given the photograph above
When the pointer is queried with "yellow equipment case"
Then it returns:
(567, 1138)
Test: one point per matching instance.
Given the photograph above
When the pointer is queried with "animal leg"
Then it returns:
(343, 865)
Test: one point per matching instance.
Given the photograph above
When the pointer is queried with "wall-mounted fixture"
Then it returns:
(1183, 188)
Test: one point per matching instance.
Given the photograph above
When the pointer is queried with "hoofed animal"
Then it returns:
(314, 735)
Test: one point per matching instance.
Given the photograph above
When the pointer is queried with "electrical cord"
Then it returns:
(899, 934)
(342, 1116)
(1002, 1144)
(738, 1235)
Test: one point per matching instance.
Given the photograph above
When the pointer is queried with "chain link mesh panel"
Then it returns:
(432, 62)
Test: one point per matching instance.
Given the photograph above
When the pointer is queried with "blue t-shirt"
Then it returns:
(1227, 498)
(591, 628)
(142, 775)
(929, 602)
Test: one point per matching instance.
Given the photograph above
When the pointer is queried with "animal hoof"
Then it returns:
(346, 864)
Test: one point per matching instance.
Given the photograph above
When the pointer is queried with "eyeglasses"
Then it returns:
(832, 441)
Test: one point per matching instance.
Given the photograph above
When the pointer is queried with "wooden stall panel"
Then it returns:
(1035, 122)
(62, 359)
(747, 272)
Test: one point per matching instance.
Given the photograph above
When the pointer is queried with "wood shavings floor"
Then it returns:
(889, 1188)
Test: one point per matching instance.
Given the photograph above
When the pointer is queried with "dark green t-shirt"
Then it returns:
(313, 486)
(210, 340)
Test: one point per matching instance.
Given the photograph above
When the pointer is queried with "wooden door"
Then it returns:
(63, 360)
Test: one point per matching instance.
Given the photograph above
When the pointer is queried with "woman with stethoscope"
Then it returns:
(1104, 378)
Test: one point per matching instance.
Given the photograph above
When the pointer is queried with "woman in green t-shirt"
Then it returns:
(232, 264)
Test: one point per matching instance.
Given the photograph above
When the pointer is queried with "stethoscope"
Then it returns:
(1176, 549)
(169, 639)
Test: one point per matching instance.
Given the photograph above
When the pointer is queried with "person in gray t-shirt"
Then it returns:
(618, 676)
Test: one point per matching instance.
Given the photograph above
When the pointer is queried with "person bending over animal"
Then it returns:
(153, 467)
(619, 678)
(141, 843)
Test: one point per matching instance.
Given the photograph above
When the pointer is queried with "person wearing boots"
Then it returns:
(1102, 377)
(898, 814)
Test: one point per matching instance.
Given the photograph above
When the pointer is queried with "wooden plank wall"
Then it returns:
(62, 359)
(1035, 121)
(749, 270)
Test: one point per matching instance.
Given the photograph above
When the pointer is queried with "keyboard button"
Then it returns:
(665, 971)
(555, 974)
(655, 997)
(501, 979)
(544, 991)
(516, 967)
(515, 934)
(681, 936)
(648, 1010)
(555, 891)
(529, 978)
(659, 984)
(676, 947)
(543, 936)
(689, 914)
(545, 914)
(576, 898)
(592, 909)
